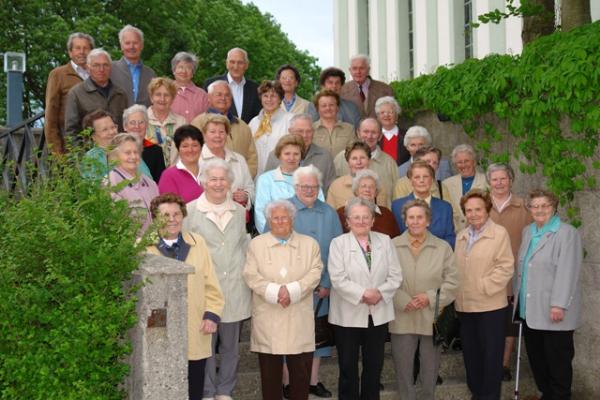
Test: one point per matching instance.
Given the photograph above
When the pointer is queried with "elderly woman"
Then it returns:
(190, 100)
(365, 274)
(428, 265)
(162, 121)
(270, 124)
(184, 177)
(282, 269)
(95, 162)
(548, 294)
(222, 224)
(388, 111)
(365, 185)
(464, 161)
(137, 189)
(414, 138)
(330, 133)
(509, 211)
(421, 176)
(357, 156)
(433, 156)
(278, 183)
(204, 297)
(215, 130)
(318, 220)
(289, 78)
(485, 266)
(135, 121)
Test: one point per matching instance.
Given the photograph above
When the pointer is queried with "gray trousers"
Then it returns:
(223, 383)
(403, 352)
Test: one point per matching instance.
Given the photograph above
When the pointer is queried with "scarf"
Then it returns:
(219, 214)
(265, 125)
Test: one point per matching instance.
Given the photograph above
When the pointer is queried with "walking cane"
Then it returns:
(518, 359)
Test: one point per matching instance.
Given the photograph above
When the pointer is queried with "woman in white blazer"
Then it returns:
(365, 274)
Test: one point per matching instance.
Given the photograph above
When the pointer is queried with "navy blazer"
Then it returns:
(441, 226)
(251, 105)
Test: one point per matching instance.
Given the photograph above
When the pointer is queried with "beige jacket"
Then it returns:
(340, 192)
(336, 140)
(452, 188)
(485, 270)
(434, 268)
(269, 265)
(404, 187)
(203, 294)
(300, 106)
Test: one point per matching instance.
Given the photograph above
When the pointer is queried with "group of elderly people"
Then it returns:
(370, 226)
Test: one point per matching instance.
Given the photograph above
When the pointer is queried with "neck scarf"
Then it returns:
(265, 125)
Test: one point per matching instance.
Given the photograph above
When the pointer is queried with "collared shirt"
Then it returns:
(391, 133)
(82, 72)
(237, 91)
(182, 167)
(502, 206)
(474, 234)
(416, 244)
(135, 70)
(426, 199)
(289, 104)
(190, 101)
(365, 87)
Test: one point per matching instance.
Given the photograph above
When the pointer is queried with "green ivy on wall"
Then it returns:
(548, 98)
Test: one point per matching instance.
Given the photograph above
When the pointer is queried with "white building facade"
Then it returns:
(408, 38)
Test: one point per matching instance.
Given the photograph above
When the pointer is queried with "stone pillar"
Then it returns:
(159, 339)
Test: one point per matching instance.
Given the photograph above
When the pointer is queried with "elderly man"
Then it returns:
(240, 140)
(362, 90)
(246, 104)
(369, 131)
(60, 81)
(333, 79)
(302, 126)
(129, 73)
(96, 92)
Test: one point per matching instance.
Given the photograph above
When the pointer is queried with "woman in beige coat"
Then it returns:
(282, 269)
(428, 264)
(204, 297)
(485, 265)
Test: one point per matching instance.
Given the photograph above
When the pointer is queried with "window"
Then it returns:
(468, 29)
(411, 51)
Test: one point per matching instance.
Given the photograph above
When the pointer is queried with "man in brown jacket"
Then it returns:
(96, 92)
(362, 90)
(60, 81)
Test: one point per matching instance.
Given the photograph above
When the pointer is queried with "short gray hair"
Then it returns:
(213, 85)
(463, 148)
(96, 53)
(298, 117)
(357, 201)
(244, 52)
(500, 167)
(185, 57)
(387, 100)
(119, 140)
(134, 109)
(365, 174)
(309, 170)
(290, 208)
(130, 28)
(362, 57)
(79, 35)
(416, 131)
(215, 163)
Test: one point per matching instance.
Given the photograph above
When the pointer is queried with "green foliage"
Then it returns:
(547, 97)
(66, 251)
(208, 28)
(526, 8)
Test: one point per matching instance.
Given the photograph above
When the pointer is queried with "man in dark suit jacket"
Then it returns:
(244, 91)
(60, 81)
(362, 90)
(129, 73)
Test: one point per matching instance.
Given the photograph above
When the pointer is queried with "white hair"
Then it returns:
(463, 148)
(211, 88)
(309, 170)
(244, 52)
(357, 201)
(387, 100)
(365, 174)
(184, 56)
(215, 163)
(289, 207)
(362, 57)
(416, 131)
(131, 28)
(132, 110)
(298, 117)
(79, 35)
(96, 53)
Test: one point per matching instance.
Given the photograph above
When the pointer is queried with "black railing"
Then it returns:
(22, 160)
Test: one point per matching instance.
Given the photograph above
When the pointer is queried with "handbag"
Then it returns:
(323, 329)
(445, 324)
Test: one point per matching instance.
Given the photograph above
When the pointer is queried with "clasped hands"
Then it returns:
(283, 297)
(418, 302)
(371, 297)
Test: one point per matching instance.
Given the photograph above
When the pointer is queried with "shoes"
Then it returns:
(223, 397)
(286, 391)
(319, 390)
(506, 374)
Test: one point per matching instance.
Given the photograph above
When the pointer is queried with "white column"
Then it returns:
(481, 35)
(446, 28)
(353, 23)
(376, 21)
(397, 46)
(514, 26)
(425, 36)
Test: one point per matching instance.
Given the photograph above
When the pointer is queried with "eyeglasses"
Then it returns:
(360, 218)
(136, 123)
(306, 188)
(540, 206)
(280, 219)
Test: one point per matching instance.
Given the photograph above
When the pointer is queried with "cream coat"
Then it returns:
(350, 277)
(452, 188)
(485, 270)
(434, 268)
(297, 265)
(203, 294)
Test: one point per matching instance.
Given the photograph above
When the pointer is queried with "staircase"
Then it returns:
(451, 370)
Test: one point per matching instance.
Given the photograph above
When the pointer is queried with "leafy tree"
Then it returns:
(208, 28)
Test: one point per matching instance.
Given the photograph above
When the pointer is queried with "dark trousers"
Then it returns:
(271, 371)
(196, 370)
(370, 342)
(482, 337)
(550, 356)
